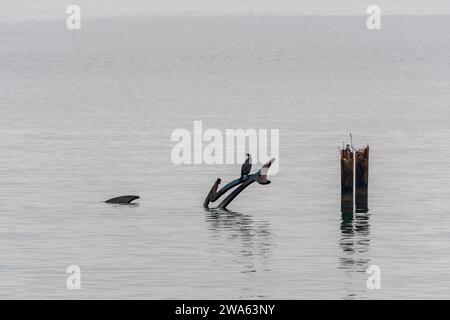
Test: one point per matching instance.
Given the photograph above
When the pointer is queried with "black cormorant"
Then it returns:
(246, 167)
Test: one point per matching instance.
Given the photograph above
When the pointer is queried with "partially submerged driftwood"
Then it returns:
(122, 200)
(213, 195)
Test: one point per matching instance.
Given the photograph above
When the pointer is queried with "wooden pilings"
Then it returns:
(354, 179)
(347, 180)
(361, 179)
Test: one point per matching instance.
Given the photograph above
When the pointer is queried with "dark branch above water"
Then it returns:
(213, 195)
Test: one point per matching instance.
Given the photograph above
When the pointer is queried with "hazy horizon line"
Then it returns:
(222, 15)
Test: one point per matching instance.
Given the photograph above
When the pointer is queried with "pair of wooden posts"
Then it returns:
(354, 179)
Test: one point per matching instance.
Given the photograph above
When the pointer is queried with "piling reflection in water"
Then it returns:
(355, 241)
(355, 244)
(249, 242)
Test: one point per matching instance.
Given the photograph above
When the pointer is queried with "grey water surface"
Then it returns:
(88, 115)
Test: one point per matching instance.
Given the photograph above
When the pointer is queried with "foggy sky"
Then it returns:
(22, 10)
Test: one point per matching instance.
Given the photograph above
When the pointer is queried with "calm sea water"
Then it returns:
(88, 115)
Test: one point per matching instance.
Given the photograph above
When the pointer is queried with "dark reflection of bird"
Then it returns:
(246, 167)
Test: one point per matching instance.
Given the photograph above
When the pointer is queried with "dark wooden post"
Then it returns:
(347, 180)
(361, 179)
